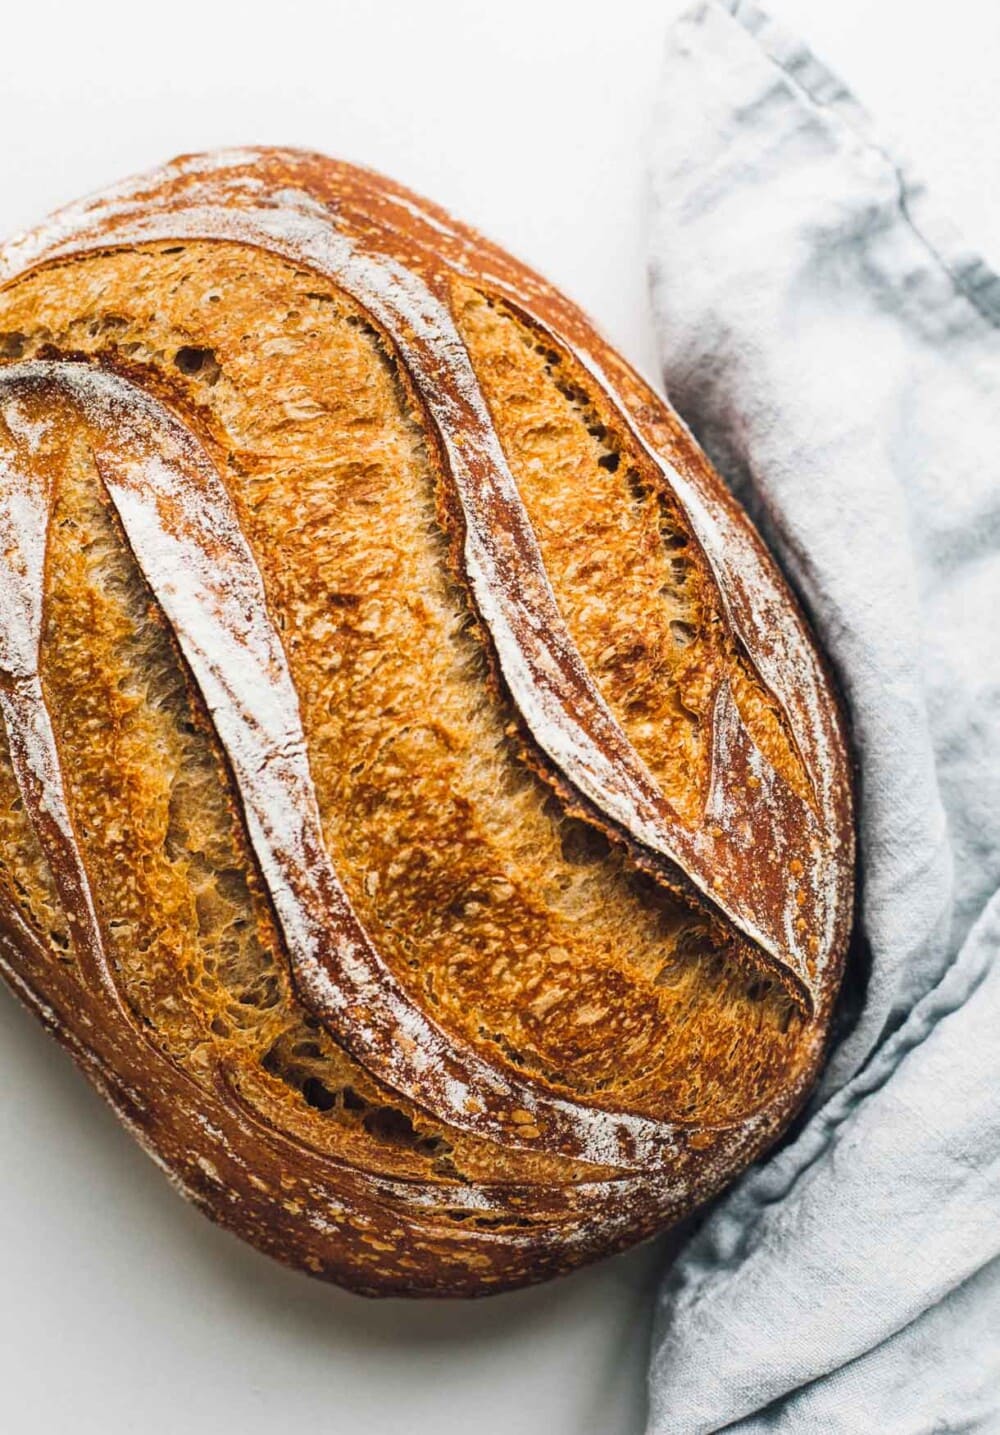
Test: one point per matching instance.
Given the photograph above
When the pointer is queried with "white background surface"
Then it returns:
(123, 1310)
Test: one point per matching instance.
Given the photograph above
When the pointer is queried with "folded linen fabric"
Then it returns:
(837, 352)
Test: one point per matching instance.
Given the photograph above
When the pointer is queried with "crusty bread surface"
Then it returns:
(423, 811)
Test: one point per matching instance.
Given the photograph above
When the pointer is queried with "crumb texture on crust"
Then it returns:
(390, 757)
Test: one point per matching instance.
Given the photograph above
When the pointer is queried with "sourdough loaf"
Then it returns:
(423, 811)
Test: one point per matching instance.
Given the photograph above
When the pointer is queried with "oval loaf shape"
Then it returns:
(423, 811)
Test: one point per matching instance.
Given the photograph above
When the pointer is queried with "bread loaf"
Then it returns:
(423, 811)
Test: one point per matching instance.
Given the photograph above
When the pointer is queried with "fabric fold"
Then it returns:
(836, 351)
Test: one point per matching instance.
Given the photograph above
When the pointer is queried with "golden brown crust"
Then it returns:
(425, 813)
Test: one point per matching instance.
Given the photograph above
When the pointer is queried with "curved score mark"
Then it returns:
(25, 505)
(184, 531)
(795, 884)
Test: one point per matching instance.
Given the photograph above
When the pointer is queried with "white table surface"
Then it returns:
(122, 1309)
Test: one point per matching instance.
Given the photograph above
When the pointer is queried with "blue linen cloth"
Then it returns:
(836, 350)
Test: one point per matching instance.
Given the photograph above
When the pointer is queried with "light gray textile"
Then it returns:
(838, 354)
